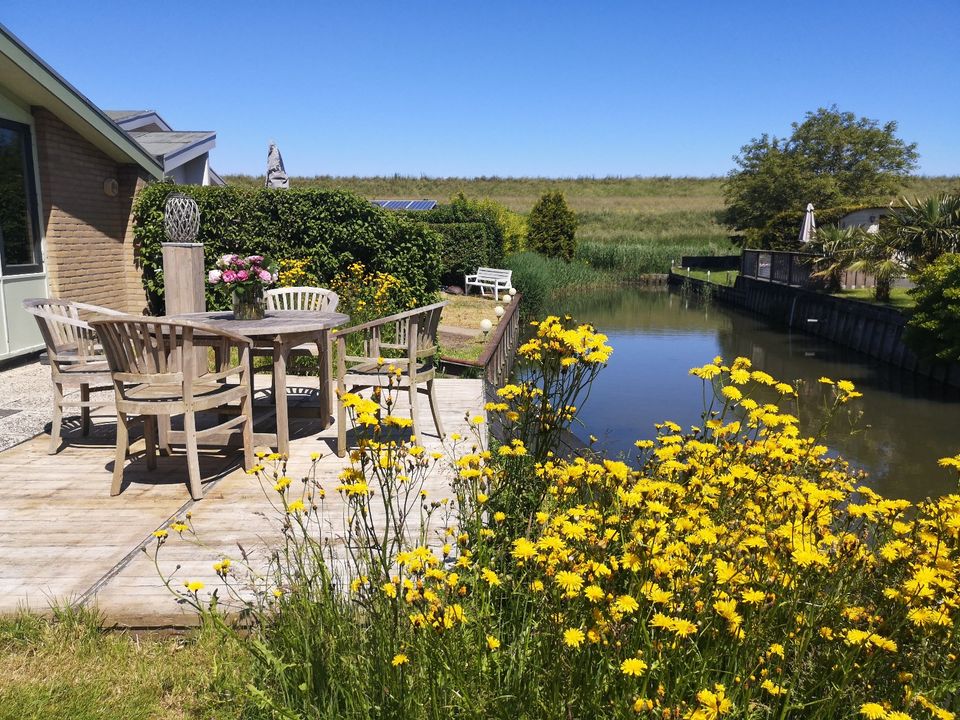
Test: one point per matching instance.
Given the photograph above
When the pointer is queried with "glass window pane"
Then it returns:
(17, 233)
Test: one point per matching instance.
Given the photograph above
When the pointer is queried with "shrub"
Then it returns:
(738, 569)
(460, 210)
(466, 247)
(553, 227)
(513, 225)
(934, 327)
(366, 296)
(329, 230)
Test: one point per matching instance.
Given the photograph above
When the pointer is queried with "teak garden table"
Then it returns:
(283, 330)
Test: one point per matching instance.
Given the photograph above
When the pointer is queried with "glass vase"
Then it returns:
(248, 303)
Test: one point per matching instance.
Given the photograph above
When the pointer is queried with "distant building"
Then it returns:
(866, 218)
(185, 155)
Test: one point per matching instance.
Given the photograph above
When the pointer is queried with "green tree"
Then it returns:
(934, 327)
(831, 158)
(552, 227)
(923, 230)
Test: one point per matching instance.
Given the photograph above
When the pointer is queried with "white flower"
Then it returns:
(214, 276)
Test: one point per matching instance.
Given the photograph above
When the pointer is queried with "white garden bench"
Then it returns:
(489, 279)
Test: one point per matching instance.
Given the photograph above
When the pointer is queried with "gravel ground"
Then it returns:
(26, 404)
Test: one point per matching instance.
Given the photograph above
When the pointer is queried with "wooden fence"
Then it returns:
(496, 362)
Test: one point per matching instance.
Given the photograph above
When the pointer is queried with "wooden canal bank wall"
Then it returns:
(874, 330)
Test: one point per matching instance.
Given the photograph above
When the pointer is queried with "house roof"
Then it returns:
(175, 148)
(31, 79)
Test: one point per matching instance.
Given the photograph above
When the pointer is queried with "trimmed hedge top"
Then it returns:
(328, 229)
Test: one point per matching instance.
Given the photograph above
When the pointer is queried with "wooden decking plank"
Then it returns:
(66, 539)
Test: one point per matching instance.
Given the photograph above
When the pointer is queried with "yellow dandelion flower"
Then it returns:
(634, 667)
(873, 711)
(573, 637)
(399, 659)
(492, 643)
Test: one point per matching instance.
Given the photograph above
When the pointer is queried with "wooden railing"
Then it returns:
(496, 361)
(786, 268)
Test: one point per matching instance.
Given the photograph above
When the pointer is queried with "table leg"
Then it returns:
(280, 352)
(326, 378)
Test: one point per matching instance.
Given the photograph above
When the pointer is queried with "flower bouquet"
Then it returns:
(246, 277)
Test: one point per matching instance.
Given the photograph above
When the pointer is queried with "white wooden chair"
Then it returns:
(156, 373)
(413, 335)
(76, 358)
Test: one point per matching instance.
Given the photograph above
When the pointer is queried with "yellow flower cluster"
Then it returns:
(566, 343)
(294, 273)
(744, 545)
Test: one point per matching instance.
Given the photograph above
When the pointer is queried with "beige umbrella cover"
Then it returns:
(809, 225)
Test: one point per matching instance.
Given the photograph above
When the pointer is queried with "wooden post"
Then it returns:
(183, 278)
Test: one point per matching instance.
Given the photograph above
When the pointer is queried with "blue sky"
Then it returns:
(507, 88)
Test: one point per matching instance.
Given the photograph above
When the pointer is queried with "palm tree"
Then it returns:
(835, 249)
(925, 229)
(875, 255)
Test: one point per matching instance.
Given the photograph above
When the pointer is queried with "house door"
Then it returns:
(21, 261)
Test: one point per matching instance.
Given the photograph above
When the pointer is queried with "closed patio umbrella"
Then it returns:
(276, 174)
(809, 225)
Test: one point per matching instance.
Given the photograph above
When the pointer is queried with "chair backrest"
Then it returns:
(487, 273)
(394, 333)
(301, 298)
(158, 351)
(69, 338)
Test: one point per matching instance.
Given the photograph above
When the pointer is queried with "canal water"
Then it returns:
(896, 432)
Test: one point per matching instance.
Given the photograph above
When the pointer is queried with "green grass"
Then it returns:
(70, 667)
(719, 277)
(899, 298)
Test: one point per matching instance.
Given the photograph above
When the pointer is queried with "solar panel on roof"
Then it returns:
(406, 204)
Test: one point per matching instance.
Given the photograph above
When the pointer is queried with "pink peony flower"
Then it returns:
(242, 275)
(255, 259)
(229, 276)
(265, 276)
(214, 276)
(227, 260)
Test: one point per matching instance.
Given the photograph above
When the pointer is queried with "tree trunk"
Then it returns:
(881, 291)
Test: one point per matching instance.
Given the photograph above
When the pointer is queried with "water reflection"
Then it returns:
(907, 422)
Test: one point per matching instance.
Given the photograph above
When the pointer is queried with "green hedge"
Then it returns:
(459, 212)
(329, 229)
(466, 246)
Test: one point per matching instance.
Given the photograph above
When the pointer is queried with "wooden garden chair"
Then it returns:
(76, 358)
(315, 299)
(157, 373)
(412, 335)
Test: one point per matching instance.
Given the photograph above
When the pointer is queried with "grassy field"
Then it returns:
(628, 226)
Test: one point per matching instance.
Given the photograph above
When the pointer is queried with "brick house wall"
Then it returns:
(89, 235)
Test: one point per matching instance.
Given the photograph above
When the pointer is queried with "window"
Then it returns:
(19, 220)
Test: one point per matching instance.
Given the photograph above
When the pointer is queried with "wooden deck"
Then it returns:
(64, 540)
